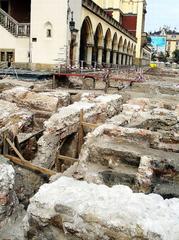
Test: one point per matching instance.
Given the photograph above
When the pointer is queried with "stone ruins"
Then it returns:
(78, 162)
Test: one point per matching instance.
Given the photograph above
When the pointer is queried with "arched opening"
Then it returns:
(125, 46)
(98, 44)
(107, 47)
(132, 49)
(128, 47)
(114, 49)
(120, 49)
(86, 42)
(124, 58)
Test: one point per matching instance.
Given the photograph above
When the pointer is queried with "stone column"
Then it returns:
(119, 59)
(126, 63)
(124, 60)
(100, 56)
(131, 60)
(128, 60)
(114, 58)
(89, 55)
(108, 55)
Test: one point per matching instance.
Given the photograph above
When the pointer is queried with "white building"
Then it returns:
(39, 34)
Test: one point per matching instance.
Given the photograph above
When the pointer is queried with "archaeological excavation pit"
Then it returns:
(66, 156)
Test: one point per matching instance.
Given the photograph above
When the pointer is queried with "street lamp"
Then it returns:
(74, 32)
(72, 24)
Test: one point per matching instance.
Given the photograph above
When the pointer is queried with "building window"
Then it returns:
(49, 33)
(173, 36)
(48, 29)
(2, 56)
(34, 39)
(7, 55)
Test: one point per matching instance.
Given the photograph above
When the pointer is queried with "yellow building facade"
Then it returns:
(172, 43)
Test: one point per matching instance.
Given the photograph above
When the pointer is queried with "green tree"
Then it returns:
(176, 56)
(162, 57)
(154, 56)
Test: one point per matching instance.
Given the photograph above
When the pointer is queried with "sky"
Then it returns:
(160, 13)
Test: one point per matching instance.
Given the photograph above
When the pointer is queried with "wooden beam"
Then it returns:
(30, 166)
(67, 159)
(90, 125)
(15, 149)
(31, 136)
(22, 162)
(58, 164)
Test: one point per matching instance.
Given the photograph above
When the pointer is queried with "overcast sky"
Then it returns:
(162, 12)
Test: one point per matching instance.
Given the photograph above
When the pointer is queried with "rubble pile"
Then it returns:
(8, 198)
(11, 212)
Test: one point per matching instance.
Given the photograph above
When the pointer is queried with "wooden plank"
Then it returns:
(58, 163)
(67, 159)
(30, 166)
(31, 136)
(15, 149)
(90, 125)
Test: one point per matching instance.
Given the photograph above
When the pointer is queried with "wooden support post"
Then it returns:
(16, 143)
(58, 163)
(80, 132)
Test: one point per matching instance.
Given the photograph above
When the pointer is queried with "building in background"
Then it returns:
(165, 40)
(131, 15)
(172, 42)
(41, 34)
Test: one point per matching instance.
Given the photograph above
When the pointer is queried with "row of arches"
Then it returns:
(104, 48)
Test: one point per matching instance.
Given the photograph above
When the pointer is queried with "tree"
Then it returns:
(154, 56)
(176, 56)
(162, 57)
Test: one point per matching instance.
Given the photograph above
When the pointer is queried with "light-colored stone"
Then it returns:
(13, 117)
(8, 199)
(94, 212)
(42, 101)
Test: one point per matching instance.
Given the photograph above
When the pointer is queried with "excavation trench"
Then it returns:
(107, 141)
